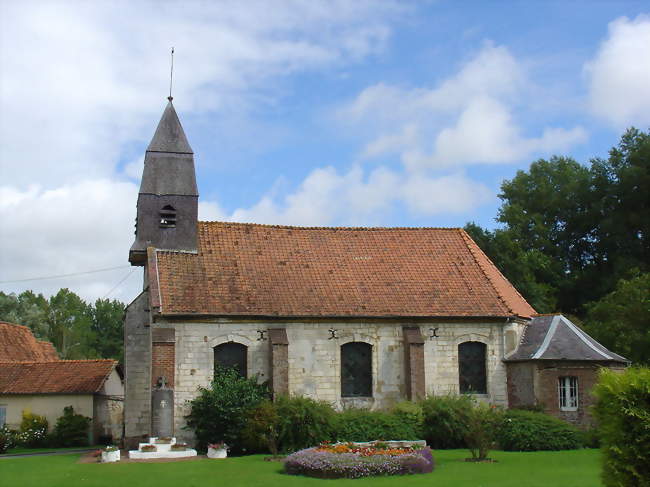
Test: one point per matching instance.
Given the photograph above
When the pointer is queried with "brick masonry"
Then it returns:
(163, 356)
(536, 383)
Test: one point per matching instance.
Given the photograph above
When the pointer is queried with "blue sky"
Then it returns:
(361, 113)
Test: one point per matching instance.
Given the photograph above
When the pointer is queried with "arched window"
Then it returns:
(471, 367)
(231, 355)
(168, 217)
(356, 370)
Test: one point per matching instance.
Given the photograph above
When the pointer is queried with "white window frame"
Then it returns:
(567, 393)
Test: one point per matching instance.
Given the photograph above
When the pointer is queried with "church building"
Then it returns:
(358, 317)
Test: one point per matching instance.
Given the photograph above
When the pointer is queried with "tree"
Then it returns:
(107, 326)
(621, 319)
(70, 329)
(529, 271)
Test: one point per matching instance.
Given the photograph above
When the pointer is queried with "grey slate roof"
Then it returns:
(169, 136)
(169, 161)
(554, 337)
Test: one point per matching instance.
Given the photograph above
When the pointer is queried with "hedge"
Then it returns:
(623, 412)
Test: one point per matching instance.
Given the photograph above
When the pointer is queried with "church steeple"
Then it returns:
(168, 200)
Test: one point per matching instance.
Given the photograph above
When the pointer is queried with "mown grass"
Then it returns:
(574, 468)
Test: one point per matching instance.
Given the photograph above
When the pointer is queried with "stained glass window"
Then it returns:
(471, 368)
(356, 370)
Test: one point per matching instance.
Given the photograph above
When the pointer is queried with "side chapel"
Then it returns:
(359, 317)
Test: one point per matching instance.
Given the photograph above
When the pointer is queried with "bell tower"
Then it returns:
(167, 212)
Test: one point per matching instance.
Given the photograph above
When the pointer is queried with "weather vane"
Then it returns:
(171, 77)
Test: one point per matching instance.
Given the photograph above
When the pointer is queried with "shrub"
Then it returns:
(7, 439)
(530, 431)
(327, 465)
(71, 429)
(363, 425)
(220, 412)
(445, 420)
(483, 423)
(303, 422)
(262, 429)
(410, 413)
(33, 430)
(288, 424)
(623, 412)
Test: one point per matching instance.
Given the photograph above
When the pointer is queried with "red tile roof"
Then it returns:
(263, 270)
(17, 343)
(60, 377)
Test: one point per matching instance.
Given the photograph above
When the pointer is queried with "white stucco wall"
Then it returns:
(314, 359)
(48, 405)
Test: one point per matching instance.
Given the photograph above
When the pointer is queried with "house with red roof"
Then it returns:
(359, 317)
(34, 379)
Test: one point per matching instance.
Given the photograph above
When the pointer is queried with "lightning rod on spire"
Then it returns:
(171, 77)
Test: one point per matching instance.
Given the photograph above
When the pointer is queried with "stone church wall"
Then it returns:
(137, 367)
(314, 358)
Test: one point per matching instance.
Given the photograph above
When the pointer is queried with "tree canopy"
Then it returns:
(77, 329)
(573, 234)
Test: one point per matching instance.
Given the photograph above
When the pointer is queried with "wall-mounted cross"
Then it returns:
(433, 333)
(333, 334)
(261, 335)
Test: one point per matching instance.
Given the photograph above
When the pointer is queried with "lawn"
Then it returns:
(574, 468)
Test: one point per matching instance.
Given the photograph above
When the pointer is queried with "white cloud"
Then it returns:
(467, 119)
(619, 75)
(73, 228)
(326, 197)
(80, 80)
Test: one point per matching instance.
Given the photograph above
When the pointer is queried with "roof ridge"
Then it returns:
(15, 324)
(297, 227)
(50, 362)
(469, 241)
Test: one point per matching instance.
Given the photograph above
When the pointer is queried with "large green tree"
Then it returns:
(77, 329)
(569, 231)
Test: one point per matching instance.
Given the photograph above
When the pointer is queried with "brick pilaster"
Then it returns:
(279, 344)
(163, 355)
(414, 363)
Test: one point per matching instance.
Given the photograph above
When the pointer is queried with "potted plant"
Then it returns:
(217, 450)
(179, 447)
(164, 440)
(110, 454)
(148, 448)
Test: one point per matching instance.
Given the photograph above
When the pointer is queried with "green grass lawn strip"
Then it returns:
(575, 468)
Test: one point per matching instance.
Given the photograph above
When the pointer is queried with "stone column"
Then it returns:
(414, 363)
(279, 344)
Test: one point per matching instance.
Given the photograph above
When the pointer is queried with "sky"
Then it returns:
(302, 112)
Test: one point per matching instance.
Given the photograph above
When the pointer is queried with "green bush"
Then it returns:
(530, 431)
(304, 422)
(411, 413)
(219, 413)
(482, 426)
(363, 425)
(445, 420)
(71, 429)
(33, 430)
(623, 412)
(7, 439)
(288, 424)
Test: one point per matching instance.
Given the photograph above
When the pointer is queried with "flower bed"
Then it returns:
(353, 461)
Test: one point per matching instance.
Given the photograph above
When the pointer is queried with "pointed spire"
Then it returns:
(169, 136)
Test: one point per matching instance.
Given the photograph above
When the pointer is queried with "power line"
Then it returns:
(118, 284)
(66, 275)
